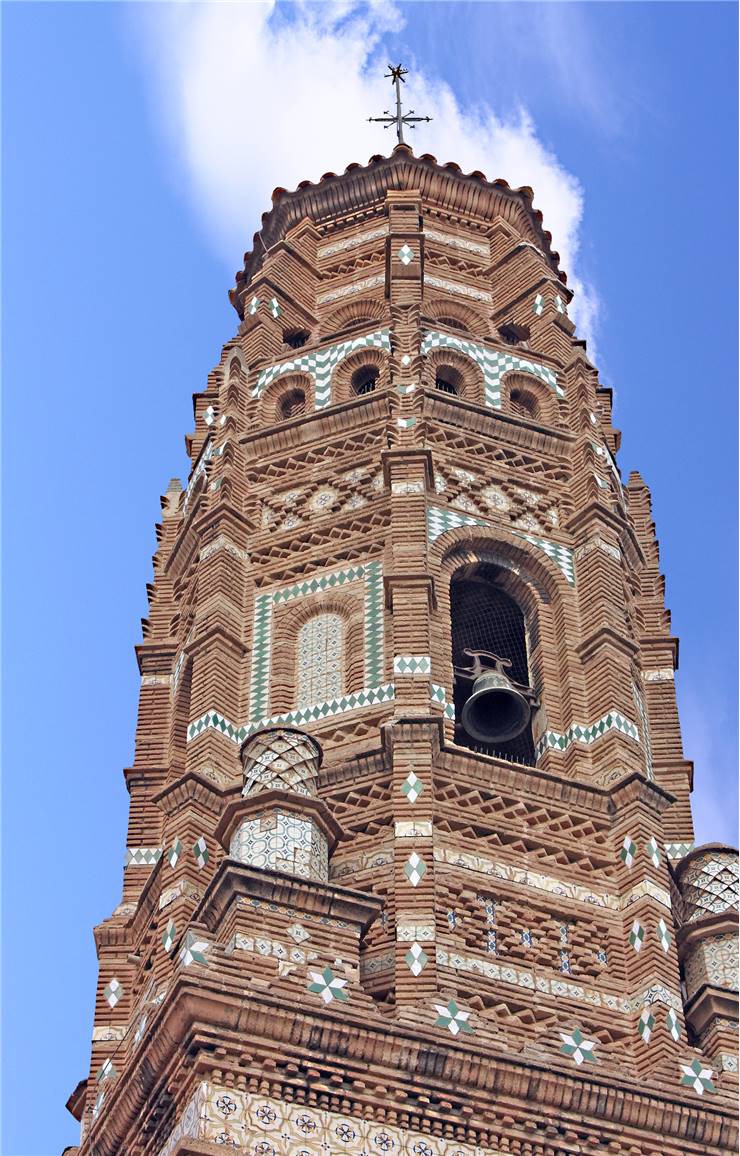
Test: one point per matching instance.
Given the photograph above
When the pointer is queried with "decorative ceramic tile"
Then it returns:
(370, 573)
(491, 941)
(675, 851)
(253, 306)
(299, 933)
(207, 453)
(328, 986)
(412, 664)
(526, 937)
(587, 733)
(100, 1099)
(320, 364)
(597, 543)
(406, 422)
(480, 248)
(140, 1029)
(405, 254)
(641, 711)
(416, 959)
(209, 416)
(278, 839)
(174, 853)
(452, 1017)
(212, 720)
(564, 961)
(452, 919)
(696, 1076)
(168, 936)
(645, 1025)
(412, 787)
(280, 759)
(415, 869)
(628, 851)
(113, 992)
(142, 856)
(673, 1025)
(455, 287)
(441, 519)
(438, 694)
(637, 935)
(602, 956)
(578, 1047)
(106, 1071)
(559, 303)
(538, 305)
(200, 851)
(653, 851)
(416, 828)
(351, 289)
(320, 659)
(713, 960)
(710, 884)
(193, 949)
(275, 309)
(664, 674)
(493, 363)
(664, 935)
(328, 250)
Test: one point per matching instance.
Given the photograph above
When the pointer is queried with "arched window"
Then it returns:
(291, 404)
(448, 380)
(365, 379)
(485, 618)
(320, 659)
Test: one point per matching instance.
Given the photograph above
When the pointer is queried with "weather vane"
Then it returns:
(401, 118)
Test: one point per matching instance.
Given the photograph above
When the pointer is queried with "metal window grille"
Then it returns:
(485, 618)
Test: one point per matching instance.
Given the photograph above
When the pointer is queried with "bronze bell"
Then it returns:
(498, 709)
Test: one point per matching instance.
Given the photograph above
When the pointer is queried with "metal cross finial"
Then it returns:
(396, 74)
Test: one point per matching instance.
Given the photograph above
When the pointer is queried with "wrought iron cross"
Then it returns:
(396, 74)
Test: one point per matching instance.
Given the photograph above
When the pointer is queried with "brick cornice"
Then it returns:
(191, 788)
(266, 1024)
(233, 880)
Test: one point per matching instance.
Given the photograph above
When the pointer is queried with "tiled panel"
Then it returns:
(320, 364)
(440, 519)
(264, 1126)
(493, 363)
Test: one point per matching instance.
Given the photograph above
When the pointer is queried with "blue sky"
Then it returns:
(134, 176)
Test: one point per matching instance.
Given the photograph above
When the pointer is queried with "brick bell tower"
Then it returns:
(410, 865)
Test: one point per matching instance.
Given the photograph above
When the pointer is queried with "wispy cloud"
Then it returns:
(254, 95)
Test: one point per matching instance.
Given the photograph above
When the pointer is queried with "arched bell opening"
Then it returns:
(494, 703)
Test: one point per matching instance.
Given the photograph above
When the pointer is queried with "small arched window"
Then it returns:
(365, 379)
(320, 659)
(295, 338)
(291, 404)
(524, 404)
(447, 379)
(485, 618)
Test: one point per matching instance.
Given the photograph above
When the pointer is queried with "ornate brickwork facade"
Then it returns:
(345, 925)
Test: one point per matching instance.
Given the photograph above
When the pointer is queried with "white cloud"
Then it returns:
(257, 95)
